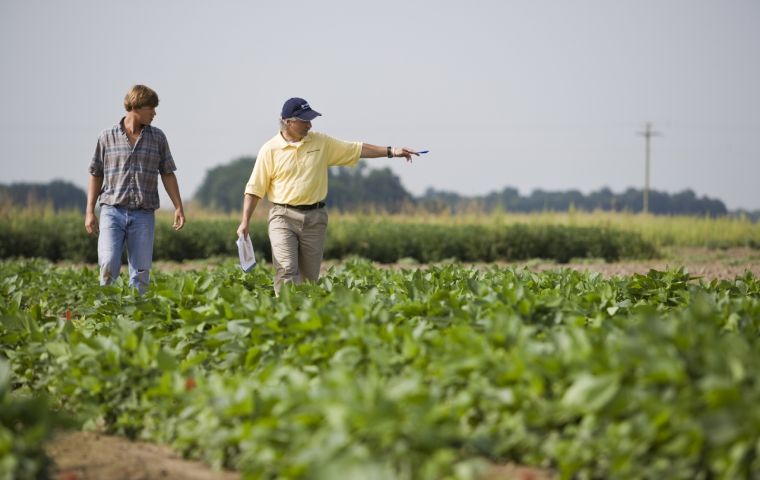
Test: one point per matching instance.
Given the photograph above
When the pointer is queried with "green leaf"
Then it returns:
(166, 361)
(590, 393)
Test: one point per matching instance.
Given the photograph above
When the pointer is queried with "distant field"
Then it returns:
(425, 238)
(662, 230)
(382, 239)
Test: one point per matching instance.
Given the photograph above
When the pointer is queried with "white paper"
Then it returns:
(245, 251)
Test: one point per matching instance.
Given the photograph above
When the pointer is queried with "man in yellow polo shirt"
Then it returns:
(291, 170)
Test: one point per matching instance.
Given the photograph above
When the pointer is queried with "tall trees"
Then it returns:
(223, 187)
(630, 200)
(350, 188)
(358, 188)
(363, 188)
(58, 194)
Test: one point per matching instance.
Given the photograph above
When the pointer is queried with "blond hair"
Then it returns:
(140, 96)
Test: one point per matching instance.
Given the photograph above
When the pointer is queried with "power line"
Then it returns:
(648, 133)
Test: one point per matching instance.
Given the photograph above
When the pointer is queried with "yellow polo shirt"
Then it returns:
(296, 173)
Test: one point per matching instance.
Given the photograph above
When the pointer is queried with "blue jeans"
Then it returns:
(118, 224)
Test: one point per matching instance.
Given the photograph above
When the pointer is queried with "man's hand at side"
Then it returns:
(249, 205)
(93, 192)
(179, 219)
(91, 223)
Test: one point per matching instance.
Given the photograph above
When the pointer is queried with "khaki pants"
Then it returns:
(298, 240)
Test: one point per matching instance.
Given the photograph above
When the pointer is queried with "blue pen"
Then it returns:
(423, 151)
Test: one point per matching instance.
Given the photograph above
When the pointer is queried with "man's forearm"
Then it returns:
(373, 151)
(249, 205)
(172, 189)
(93, 192)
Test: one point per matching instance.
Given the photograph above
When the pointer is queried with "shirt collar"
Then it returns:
(283, 144)
(123, 130)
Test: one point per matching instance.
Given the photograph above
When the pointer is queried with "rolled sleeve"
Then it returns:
(96, 164)
(166, 164)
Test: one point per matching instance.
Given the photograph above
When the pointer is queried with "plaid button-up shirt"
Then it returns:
(130, 174)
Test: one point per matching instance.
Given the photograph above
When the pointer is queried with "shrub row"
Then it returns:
(387, 241)
(64, 238)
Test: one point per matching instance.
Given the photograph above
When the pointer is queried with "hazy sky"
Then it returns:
(530, 94)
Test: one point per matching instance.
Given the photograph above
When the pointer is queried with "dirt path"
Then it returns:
(708, 264)
(705, 263)
(92, 456)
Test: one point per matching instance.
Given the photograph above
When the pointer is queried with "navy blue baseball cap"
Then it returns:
(298, 108)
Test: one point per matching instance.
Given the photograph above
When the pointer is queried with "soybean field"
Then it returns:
(433, 372)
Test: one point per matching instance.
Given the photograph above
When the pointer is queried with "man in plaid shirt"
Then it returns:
(124, 172)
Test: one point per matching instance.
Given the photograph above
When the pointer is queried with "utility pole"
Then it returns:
(648, 133)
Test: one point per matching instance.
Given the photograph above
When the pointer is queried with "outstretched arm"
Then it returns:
(373, 151)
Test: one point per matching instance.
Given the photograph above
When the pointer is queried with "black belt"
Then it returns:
(313, 206)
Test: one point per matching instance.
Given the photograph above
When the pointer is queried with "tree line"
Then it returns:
(350, 188)
(360, 188)
(58, 194)
(509, 199)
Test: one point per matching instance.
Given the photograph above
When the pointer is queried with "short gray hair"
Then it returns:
(283, 121)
